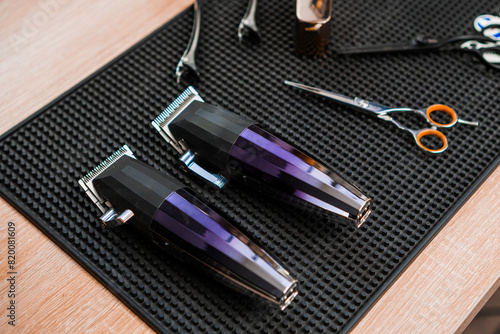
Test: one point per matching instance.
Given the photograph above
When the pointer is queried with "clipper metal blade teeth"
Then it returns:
(163, 120)
(86, 181)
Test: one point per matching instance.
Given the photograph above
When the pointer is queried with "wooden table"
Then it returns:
(48, 46)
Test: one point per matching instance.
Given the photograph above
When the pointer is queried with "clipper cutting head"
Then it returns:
(163, 120)
(86, 181)
(162, 125)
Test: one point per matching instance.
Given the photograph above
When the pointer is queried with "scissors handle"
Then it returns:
(418, 135)
(487, 51)
(445, 109)
(490, 57)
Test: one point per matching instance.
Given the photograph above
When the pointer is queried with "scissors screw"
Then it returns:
(363, 103)
(423, 40)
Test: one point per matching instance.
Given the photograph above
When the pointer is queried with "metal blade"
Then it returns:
(331, 95)
(388, 48)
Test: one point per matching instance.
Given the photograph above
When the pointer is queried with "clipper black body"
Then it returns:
(219, 145)
(164, 210)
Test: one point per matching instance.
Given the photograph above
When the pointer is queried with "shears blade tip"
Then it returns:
(301, 86)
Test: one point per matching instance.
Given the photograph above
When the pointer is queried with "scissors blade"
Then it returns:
(331, 95)
(373, 107)
(419, 43)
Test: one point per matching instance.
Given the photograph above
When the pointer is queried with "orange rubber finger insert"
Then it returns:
(435, 133)
(446, 109)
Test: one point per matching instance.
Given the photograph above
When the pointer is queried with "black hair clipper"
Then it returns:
(219, 145)
(128, 191)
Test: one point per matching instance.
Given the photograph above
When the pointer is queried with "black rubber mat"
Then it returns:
(342, 271)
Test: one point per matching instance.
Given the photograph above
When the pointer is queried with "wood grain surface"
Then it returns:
(48, 46)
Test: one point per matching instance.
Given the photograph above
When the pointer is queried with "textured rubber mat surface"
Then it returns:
(341, 270)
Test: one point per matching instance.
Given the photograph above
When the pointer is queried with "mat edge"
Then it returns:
(91, 76)
(25, 212)
(412, 256)
(356, 317)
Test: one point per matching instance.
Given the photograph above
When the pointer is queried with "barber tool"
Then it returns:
(128, 191)
(247, 30)
(187, 64)
(384, 112)
(483, 47)
(312, 29)
(219, 145)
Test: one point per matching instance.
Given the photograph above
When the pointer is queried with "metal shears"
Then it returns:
(483, 47)
(486, 47)
(384, 112)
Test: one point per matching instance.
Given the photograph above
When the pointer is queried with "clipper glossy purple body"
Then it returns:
(291, 175)
(204, 236)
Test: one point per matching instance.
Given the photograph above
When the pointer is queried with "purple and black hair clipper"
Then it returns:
(219, 145)
(164, 210)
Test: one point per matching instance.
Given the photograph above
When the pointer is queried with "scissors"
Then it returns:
(482, 46)
(384, 112)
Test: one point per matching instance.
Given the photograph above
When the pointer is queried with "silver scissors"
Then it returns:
(383, 112)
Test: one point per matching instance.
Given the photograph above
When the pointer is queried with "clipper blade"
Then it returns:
(163, 120)
(86, 182)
